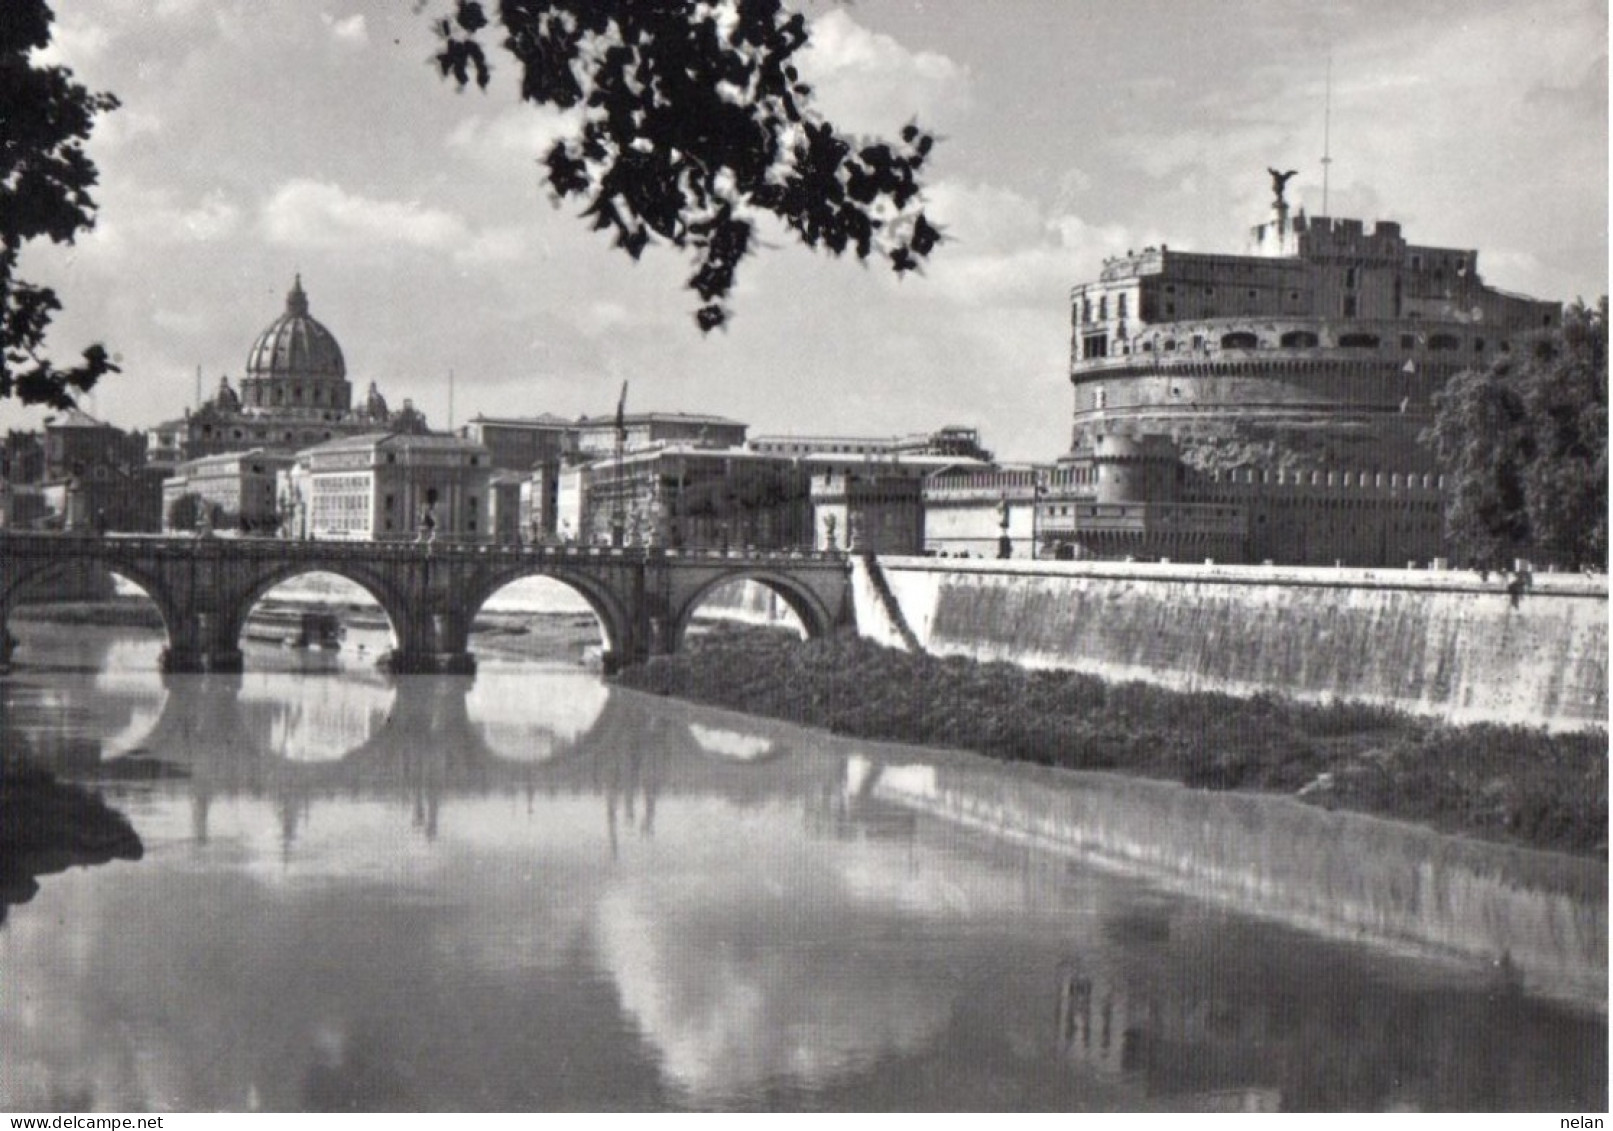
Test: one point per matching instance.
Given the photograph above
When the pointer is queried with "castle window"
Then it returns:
(1416, 263)
(1103, 308)
(1170, 309)
(1350, 278)
(1408, 341)
(1349, 306)
(1444, 342)
(1170, 345)
(1239, 340)
(1299, 339)
(1359, 341)
(1120, 306)
(1478, 345)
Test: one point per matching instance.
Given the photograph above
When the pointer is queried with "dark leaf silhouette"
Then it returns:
(45, 183)
(694, 125)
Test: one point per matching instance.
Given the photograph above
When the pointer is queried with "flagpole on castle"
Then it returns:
(618, 518)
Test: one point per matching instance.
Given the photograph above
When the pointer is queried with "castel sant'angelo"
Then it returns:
(1267, 405)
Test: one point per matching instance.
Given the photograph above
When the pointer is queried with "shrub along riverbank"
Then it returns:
(1503, 783)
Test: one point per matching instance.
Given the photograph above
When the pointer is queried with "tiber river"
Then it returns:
(533, 890)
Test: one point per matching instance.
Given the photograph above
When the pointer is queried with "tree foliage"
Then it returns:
(1523, 445)
(695, 122)
(185, 512)
(45, 182)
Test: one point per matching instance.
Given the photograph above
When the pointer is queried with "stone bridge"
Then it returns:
(205, 587)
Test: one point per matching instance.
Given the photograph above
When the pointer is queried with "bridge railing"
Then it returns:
(78, 543)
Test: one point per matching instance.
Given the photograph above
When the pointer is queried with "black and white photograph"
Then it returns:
(801, 556)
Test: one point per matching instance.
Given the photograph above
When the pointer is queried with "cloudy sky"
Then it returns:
(260, 140)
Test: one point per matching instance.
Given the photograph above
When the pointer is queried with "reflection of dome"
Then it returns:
(296, 364)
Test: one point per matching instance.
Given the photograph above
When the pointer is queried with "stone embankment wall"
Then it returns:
(1449, 645)
(1538, 919)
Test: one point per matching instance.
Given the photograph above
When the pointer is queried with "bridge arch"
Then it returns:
(615, 620)
(393, 605)
(814, 614)
(29, 574)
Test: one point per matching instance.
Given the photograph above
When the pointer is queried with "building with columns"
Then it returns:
(387, 485)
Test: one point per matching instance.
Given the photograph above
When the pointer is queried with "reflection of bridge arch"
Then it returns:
(214, 719)
(815, 616)
(615, 621)
(393, 604)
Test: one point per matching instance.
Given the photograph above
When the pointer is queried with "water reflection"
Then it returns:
(48, 826)
(531, 890)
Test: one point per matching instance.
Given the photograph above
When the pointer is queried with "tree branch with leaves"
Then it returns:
(695, 122)
(45, 182)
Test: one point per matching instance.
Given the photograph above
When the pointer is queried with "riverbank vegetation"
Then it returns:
(1504, 783)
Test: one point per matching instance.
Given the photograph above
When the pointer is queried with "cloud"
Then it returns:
(1004, 250)
(519, 135)
(867, 81)
(315, 214)
(350, 31)
(122, 126)
(504, 244)
(74, 43)
(214, 218)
